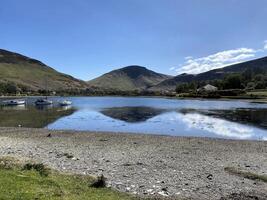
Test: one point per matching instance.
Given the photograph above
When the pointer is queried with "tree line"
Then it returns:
(250, 79)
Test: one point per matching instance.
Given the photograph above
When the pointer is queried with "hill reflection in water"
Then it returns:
(31, 116)
(132, 114)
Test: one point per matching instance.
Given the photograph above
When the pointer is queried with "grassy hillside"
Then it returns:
(128, 78)
(33, 74)
(258, 66)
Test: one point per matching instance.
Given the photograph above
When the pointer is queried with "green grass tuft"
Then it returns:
(40, 168)
(100, 182)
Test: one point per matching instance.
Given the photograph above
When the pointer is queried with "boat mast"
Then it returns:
(46, 91)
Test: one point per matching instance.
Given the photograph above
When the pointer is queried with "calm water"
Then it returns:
(222, 119)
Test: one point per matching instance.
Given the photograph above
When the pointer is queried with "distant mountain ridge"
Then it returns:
(170, 84)
(129, 78)
(33, 74)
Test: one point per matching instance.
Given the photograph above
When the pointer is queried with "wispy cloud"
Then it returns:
(214, 61)
(217, 60)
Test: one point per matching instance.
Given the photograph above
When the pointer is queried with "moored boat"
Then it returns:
(14, 102)
(65, 103)
(43, 102)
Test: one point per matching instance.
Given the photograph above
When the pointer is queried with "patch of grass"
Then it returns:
(246, 174)
(261, 93)
(28, 184)
(40, 168)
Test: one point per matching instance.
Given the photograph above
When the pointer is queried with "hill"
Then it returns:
(259, 65)
(32, 74)
(128, 79)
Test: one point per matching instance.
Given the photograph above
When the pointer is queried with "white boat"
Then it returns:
(65, 103)
(43, 102)
(15, 102)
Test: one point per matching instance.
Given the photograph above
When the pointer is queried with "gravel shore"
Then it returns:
(177, 167)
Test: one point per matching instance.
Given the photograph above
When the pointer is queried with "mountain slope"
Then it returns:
(220, 73)
(128, 78)
(33, 74)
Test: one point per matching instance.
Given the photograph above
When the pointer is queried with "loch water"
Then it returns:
(229, 119)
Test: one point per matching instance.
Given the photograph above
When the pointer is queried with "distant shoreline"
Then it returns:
(182, 167)
(254, 100)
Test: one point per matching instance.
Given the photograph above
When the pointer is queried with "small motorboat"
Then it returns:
(43, 102)
(14, 102)
(65, 103)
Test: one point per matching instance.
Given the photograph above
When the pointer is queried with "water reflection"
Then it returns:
(30, 116)
(18, 107)
(254, 116)
(224, 119)
(132, 114)
(216, 126)
(44, 107)
(69, 107)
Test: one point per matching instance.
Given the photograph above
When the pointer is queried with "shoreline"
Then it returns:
(223, 98)
(86, 133)
(145, 165)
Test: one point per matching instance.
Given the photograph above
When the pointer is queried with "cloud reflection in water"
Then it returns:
(217, 126)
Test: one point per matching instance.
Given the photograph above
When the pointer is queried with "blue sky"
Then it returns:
(86, 38)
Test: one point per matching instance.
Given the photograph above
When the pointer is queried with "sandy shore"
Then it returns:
(178, 167)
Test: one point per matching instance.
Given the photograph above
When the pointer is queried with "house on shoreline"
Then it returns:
(207, 88)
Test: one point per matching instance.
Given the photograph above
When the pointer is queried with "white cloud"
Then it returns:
(217, 60)
(188, 57)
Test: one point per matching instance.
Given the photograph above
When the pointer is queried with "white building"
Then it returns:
(207, 88)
